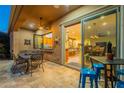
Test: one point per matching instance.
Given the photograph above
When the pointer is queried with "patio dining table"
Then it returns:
(105, 62)
(27, 57)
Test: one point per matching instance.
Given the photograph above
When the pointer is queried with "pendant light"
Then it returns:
(41, 26)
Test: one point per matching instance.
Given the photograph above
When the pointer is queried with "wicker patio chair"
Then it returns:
(36, 61)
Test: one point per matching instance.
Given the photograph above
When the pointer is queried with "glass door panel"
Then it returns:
(38, 41)
(48, 41)
(98, 32)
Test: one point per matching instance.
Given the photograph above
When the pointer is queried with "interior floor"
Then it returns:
(74, 61)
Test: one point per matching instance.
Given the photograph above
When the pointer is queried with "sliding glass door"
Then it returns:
(98, 30)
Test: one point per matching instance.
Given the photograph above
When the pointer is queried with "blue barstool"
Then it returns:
(87, 72)
(97, 67)
(120, 72)
(120, 83)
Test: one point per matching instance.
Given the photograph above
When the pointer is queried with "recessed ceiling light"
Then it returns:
(31, 25)
(56, 6)
(104, 24)
(66, 5)
(102, 17)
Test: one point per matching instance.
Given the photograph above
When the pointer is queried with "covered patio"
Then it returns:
(48, 29)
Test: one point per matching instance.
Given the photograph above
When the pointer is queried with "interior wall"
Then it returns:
(19, 39)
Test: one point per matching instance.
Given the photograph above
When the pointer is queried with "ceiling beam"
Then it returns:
(15, 13)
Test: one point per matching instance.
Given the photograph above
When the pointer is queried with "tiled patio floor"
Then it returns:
(55, 76)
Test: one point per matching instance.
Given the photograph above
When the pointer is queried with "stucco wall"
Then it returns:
(19, 38)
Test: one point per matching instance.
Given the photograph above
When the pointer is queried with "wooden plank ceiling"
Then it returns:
(29, 17)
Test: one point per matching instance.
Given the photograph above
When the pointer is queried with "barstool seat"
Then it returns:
(98, 65)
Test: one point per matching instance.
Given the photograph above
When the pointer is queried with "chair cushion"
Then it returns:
(87, 71)
(98, 65)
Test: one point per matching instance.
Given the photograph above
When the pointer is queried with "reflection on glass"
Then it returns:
(98, 32)
(47, 41)
(38, 41)
(44, 41)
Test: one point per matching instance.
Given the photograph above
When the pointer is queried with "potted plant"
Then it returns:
(109, 51)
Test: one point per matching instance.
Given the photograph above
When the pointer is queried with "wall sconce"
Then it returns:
(27, 42)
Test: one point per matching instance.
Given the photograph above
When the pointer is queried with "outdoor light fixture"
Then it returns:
(67, 6)
(43, 26)
(56, 40)
(58, 6)
(40, 22)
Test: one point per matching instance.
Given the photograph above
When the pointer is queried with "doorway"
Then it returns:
(73, 45)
